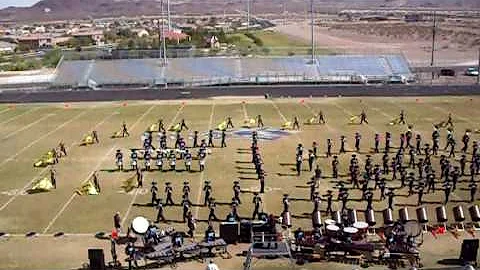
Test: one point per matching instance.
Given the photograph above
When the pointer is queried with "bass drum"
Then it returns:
(140, 225)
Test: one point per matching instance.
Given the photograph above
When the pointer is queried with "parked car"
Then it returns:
(471, 71)
(447, 72)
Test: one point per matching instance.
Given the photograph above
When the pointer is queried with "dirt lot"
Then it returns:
(456, 44)
(27, 131)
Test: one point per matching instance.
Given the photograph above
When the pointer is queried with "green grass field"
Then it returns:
(27, 131)
(274, 43)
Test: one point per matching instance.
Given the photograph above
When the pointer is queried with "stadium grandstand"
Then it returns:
(209, 71)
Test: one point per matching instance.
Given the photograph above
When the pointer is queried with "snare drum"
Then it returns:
(329, 222)
(362, 229)
(350, 231)
(332, 230)
(361, 226)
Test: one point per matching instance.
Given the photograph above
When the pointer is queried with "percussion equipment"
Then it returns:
(332, 230)
(458, 213)
(140, 225)
(403, 214)
(459, 217)
(422, 216)
(474, 213)
(360, 225)
(387, 217)
(350, 230)
(352, 216)
(329, 222)
(229, 231)
(316, 219)
(337, 216)
(362, 228)
(441, 214)
(370, 217)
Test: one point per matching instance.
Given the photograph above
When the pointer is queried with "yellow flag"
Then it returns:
(287, 124)
(222, 126)
(43, 184)
(128, 184)
(87, 189)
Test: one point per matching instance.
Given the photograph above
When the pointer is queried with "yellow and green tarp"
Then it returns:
(45, 160)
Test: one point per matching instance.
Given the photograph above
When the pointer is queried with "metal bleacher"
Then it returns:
(232, 70)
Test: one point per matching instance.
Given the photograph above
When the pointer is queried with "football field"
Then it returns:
(27, 131)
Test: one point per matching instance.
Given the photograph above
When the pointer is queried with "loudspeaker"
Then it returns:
(229, 232)
(245, 231)
(469, 250)
(97, 259)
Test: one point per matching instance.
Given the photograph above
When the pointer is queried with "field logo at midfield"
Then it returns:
(267, 134)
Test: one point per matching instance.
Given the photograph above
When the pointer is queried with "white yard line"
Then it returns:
(4, 110)
(202, 174)
(18, 116)
(62, 209)
(279, 112)
(127, 213)
(45, 169)
(27, 126)
(41, 138)
(245, 114)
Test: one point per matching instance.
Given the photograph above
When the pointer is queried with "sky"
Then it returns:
(18, 3)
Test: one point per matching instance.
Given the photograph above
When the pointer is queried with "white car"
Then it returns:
(472, 71)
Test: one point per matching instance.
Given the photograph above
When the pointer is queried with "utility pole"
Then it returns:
(434, 31)
(312, 29)
(285, 12)
(168, 15)
(164, 45)
(478, 67)
(248, 15)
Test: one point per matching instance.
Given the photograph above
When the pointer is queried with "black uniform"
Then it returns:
(160, 216)
(154, 191)
(256, 201)
(53, 178)
(125, 130)
(210, 138)
(169, 192)
(259, 121)
(223, 143)
(335, 167)
(298, 166)
(295, 125)
(229, 122)
(183, 125)
(208, 191)
(329, 148)
(342, 145)
(321, 118)
(363, 118)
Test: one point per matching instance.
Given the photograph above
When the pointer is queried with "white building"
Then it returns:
(7, 47)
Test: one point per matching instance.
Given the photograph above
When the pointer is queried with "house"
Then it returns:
(176, 36)
(95, 35)
(35, 41)
(141, 32)
(7, 47)
(214, 44)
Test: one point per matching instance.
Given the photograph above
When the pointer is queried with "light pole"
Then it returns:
(168, 15)
(433, 43)
(164, 45)
(312, 29)
(248, 15)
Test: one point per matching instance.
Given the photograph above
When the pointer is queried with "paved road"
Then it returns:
(275, 91)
